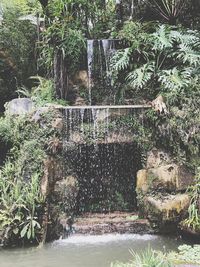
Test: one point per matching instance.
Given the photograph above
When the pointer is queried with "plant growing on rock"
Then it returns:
(165, 60)
(22, 201)
(193, 220)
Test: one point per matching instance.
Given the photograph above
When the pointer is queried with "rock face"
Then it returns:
(161, 189)
(170, 178)
(156, 158)
(66, 191)
(166, 211)
(20, 106)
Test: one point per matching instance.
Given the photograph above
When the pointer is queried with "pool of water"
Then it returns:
(85, 251)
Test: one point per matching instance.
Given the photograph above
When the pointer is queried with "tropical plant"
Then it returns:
(17, 59)
(19, 203)
(168, 9)
(186, 254)
(165, 60)
(23, 6)
(148, 258)
(193, 220)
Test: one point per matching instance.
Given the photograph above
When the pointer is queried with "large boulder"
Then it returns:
(170, 178)
(166, 211)
(19, 106)
(161, 191)
(156, 158)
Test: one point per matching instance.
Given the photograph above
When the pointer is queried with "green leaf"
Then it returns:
(24, 230)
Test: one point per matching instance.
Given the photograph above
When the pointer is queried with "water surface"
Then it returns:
(85, 251)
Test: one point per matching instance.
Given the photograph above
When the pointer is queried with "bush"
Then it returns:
(148, 258)
(17, 54)
(21, 201)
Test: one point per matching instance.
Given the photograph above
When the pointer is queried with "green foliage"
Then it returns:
(19, 199)
(17, 58)
(20, 195)
(166, 60)
(148, 258)
(41, 94)
(60, 37)
(186, 254)
(22, 202)
(193, 220)
(23, 6)
(168, 9)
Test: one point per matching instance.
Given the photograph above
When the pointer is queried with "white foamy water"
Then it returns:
(97, 239)
(85, 251)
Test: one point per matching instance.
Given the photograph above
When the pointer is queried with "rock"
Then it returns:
(159, 105)
(142, 184)
(58, 123)
(53, 172)
(67, 192)
(19, 106)
(80, 101)
(166, 210)
(81, 78)
(169, 178)
(156, 158)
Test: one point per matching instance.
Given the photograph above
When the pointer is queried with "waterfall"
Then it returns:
(109, 49)
(90, 55)
(99, 148)
(101, 124)
(99, 54)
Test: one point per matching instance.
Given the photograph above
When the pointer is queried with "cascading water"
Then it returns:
(99, 54)
(90, 60)
(102, 156)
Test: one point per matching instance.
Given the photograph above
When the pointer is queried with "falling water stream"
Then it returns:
(99, 54)
(103, 158)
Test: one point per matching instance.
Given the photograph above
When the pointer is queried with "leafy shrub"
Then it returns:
(21, 201)
(20, 195)
(17, 58)
(148, 258)
(42, 93)
(186, 254)
(164, 59)
(193, 220)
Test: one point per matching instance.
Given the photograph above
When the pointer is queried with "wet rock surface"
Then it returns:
(161, 189)
(115, 222)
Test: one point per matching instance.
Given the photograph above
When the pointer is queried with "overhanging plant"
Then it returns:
(168, 9)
